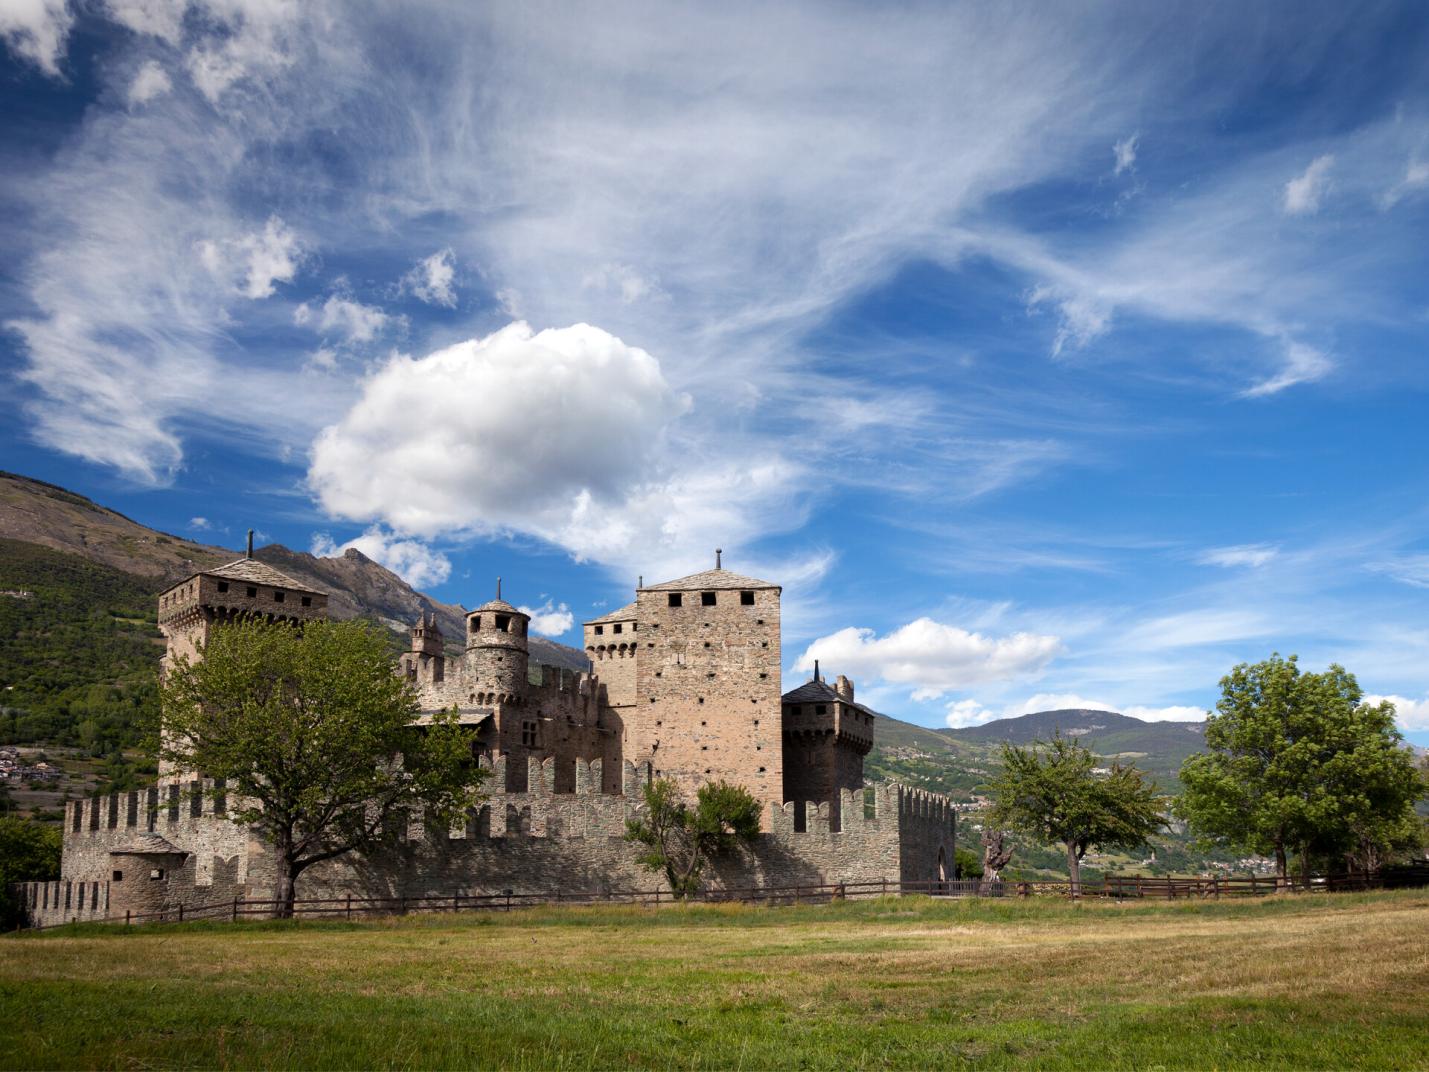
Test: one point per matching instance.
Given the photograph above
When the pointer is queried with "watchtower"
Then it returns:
(496, 651)
(706, 703)
(241, 590)
(246, 588)
(426, 662)
(826, 735)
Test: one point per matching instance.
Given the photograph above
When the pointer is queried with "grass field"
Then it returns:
(1306, 982)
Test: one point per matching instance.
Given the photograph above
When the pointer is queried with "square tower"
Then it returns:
(706, 696)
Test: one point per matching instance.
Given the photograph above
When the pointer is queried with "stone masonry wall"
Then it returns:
(707, 691)
(540, 841)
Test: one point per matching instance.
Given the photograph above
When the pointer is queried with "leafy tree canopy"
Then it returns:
(29, 852)
(1295, 762)
(315, 739)
(679, 839)
(1052, 792)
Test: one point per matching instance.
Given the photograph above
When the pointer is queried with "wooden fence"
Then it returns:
(1115, 887)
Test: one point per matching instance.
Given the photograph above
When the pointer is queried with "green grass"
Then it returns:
(1297, 982)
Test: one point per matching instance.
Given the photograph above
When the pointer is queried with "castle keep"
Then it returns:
(684, 684)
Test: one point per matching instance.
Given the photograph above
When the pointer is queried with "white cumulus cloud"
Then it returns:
(561, 434)
(1409, 714)
(202, 524)
(150, 83)
(1305, 192)
(432, 280)
(36, 30)
(354, 321)
(412, 560)
(1250, 554)
(253, 263)
(932, 657)
(549, 619)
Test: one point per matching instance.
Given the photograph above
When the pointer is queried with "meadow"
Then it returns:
(1324, 981)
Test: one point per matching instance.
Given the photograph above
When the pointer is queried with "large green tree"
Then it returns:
(1052, 792)
(1296, 763)
(315, 739)
(678, 839)
(29, 852)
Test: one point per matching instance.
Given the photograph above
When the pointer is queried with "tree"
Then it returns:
(1049, 791)
(1296, 763)
(314, 739)
(966, 864)
(996, 854)
(29, 852)
(679, 840)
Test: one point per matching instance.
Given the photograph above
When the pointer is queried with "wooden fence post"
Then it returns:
(235, 910)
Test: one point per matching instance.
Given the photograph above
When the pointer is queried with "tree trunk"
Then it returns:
(285, 887)
(1305, 866)
(1074, 869)
(1282, 869)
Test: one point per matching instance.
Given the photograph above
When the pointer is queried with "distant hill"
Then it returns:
(961, 761)
(1155, 747)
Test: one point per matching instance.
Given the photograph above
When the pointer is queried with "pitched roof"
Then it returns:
(625, 613)
(811, 691)
(709, 579)
(818, 692)
(255, 572)
(147, 844)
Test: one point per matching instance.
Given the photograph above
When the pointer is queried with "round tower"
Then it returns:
(496, 653)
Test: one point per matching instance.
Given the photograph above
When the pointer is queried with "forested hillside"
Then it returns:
(78, 650)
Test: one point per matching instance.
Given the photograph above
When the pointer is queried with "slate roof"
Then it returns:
(624, 614)
(820, 692)
(497, 605)
(148, 844)
(709, 580)
(255, 572)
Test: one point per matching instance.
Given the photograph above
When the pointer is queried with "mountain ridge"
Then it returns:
(38, 512)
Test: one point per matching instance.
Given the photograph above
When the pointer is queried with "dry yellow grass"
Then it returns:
(1309, 982)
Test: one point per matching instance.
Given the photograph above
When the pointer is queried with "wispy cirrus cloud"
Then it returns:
(1243, 555)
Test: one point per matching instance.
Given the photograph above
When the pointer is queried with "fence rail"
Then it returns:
(1116, 887)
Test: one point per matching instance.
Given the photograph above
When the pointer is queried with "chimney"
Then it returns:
(250, 544)
(816, 669)
(718, 552)
(844, 687)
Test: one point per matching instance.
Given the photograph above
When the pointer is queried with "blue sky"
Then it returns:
(1045, 357)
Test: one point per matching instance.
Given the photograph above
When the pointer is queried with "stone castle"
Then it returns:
(685, 684)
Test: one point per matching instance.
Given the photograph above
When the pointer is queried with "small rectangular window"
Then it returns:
(528, 734)
(223, 586)
(118, 876)
(616, 628)
(476, 624)
(676, 599)
(156, 874)
(746, 599)
(307, 601)
(599, 630)
(252, 592)
(502, 621)
(707, 599)
(821, 709)
(278, 597)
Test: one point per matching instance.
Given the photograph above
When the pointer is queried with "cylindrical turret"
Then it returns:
(496, 654)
